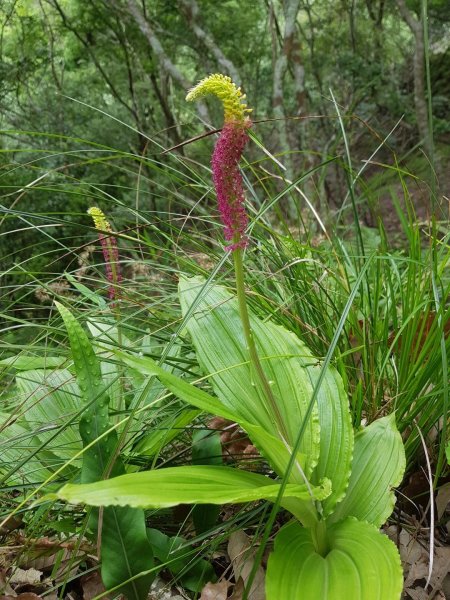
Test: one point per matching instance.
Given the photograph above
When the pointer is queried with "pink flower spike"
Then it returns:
(228, 182)
(109, 247)
(111, 256)
(227, 153)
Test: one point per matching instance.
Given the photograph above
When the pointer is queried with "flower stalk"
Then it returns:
(251, 346)
(230, 199)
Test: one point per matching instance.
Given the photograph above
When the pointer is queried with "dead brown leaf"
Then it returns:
(414, 552)
(442, 500)
(417, 594)
(92, 586)
(24, 596)
(238, 592)
(13, 522)
(25, 577)
(215, 591)
(235, 442)
(242, 556)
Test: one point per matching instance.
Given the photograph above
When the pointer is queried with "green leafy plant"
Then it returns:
(125, 549)
(336, 484)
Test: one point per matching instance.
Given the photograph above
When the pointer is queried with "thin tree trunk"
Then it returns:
(420, 101)
(289, 57)
(166, 64)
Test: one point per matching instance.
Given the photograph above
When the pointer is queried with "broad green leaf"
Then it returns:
(95, 419)
(360, 564)
(378, 466)
(271, 447)
(216, 331)
(48, 400)
(162, 488)
(336, 434)
(206, 450)
(181, 560)
(447, 453)
(29, 363)
(164, 432)
(206, 447)
(125, 549)
(16, 442)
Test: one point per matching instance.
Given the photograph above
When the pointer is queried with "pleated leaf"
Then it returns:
(48, 400)
(336, 434)
(198, 484)
(29, 363)
(271, 447)
(17, 466)
(216, 331)
(361, 564)
(217, 334)
(378, 466)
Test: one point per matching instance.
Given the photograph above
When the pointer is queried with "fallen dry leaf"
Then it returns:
(416, 594)
(235, 442)
(92, 586)
(13, 522)
(215, 591)
(414, 552)
(24, 596)
(242, 556)
(238, 592)
(25, 577)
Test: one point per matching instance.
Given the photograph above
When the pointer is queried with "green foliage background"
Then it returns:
(92, 92)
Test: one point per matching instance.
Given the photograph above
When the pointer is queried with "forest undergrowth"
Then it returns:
(91, 311)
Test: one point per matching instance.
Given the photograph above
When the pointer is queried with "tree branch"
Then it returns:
(191, 11)
(165, 62)
(407, 15)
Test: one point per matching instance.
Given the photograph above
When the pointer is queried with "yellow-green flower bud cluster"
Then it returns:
(99, 219)
(235, 108)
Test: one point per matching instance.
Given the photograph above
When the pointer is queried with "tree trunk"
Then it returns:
(420, 101)
(166, 64)
(290, 58)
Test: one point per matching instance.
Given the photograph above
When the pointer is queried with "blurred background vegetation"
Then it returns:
(92, 92)
(346, 177)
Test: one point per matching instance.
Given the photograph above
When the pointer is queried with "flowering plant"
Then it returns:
(336, 483)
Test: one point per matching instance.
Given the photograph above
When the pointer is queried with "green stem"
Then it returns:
(254, 358)
(319, 538)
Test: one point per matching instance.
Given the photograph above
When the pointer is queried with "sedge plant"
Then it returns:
(336, 482)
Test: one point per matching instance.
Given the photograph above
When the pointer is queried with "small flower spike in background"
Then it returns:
(109, 247)
(227, 153)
